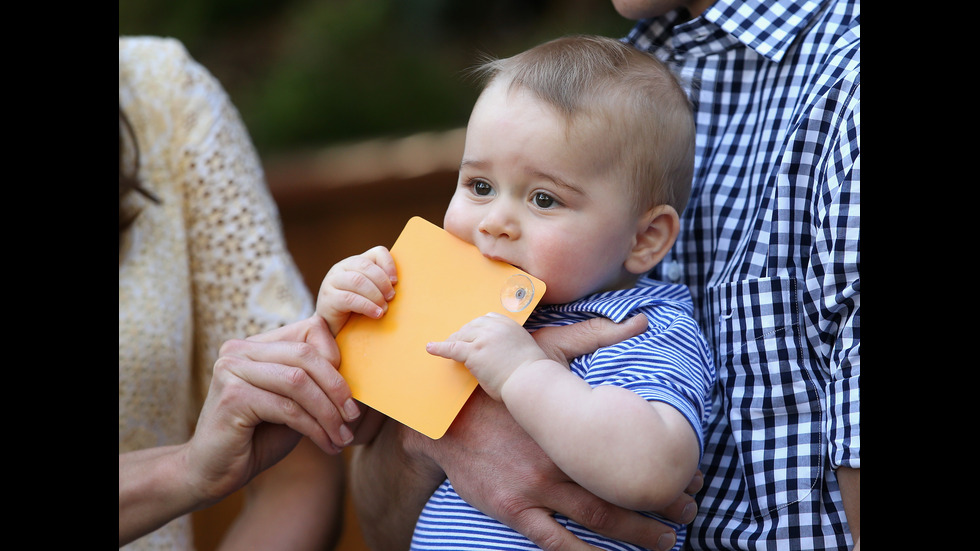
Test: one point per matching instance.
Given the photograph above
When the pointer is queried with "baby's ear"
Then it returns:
(656, 232)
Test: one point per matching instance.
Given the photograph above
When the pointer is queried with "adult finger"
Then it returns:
(299, 374)
(566, 342)
(611, 521)
(539, 526)
(312, 330)
(318, 334)
(684, 508)
(315, 332)
(235, 409)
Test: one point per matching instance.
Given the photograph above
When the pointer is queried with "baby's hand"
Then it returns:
(492, 347)
(361, 284)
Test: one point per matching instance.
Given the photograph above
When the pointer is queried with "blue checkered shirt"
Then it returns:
(770, 248)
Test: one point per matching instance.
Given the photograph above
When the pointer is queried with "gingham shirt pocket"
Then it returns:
(774, 407)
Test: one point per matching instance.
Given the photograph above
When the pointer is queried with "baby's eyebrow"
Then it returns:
(480, 164)
(473, 162)
(572, 188)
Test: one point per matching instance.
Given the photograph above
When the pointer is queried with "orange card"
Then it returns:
(443, 283)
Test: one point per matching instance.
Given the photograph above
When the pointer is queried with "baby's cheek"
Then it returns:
(558, 273)
(455, 223)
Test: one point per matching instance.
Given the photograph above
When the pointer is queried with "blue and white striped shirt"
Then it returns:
(770, 248)
(670, 362)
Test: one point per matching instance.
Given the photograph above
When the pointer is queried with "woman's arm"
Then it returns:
(153, 490)
(297, 504)
(266, 393)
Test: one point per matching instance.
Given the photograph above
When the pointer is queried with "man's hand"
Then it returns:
(497, 468)
(565, 343)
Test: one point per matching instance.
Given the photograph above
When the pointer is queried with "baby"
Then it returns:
(578, 158)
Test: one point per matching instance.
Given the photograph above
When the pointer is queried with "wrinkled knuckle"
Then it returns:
(358, 279)
(597, 518)
(225, 368)
(595, 324)
(230, 390)
(222, 364)
(294, 377)
(348, 301)
(336, 386)
(552, 541)
(306, 352)
(230, 347)
(509, 506)
(289, 408)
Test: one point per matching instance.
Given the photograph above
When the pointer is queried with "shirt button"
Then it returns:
(674, 271)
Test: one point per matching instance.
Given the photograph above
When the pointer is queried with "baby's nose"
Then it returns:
(500, 222)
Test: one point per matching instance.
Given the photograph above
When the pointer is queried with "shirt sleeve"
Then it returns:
(244, 280)
(669, 363)
(834, 280)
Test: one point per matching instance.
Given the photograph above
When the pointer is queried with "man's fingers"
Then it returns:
(684, 508)
(570, 341)
(541, 528)
(609, 520)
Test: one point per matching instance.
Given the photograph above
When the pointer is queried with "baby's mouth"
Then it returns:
(498, 259)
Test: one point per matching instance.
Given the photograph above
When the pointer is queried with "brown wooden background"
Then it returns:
(338, 202)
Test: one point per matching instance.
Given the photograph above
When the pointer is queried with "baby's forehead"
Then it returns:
(587, 119)
(588, 130)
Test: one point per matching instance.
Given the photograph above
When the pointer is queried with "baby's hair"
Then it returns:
(613, 85)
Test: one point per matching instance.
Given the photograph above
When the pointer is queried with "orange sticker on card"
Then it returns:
(443, 284)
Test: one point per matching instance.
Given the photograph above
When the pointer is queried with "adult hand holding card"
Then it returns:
(443, 283)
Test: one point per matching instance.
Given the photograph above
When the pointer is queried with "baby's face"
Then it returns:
(534, 196)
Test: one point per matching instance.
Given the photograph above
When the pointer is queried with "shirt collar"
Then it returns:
(766, 26)
(618, 305)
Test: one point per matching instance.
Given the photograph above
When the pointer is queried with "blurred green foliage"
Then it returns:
(307, 73)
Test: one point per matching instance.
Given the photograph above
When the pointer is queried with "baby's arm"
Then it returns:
(608, 439)
(360, 284)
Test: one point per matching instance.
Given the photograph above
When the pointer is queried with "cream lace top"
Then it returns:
(206, 265)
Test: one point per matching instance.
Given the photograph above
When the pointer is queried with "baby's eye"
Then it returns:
(482, 188)
(544, 201)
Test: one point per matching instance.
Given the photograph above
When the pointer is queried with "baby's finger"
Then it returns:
(355, 303)
(382, 257)
(456, 350)
(367, 279)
